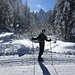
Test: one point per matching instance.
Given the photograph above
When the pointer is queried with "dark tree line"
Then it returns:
(64, 19)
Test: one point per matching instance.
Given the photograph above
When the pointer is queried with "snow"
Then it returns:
(5, 34)
(12, 64)
(73, 31)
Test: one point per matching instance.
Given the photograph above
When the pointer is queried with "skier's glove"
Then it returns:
(49, 39)
(32, 38)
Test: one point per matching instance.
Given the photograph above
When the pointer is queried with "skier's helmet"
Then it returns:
(43, 30)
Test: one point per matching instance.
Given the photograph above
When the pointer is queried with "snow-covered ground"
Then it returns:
(16, 57)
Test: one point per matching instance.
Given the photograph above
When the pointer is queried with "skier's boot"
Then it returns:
(40, 59)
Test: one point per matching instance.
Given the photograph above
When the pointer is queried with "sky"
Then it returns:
(36, 5)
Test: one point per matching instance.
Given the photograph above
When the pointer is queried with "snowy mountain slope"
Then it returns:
(12, 64)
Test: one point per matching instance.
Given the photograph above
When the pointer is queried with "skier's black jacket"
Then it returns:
(41, 38)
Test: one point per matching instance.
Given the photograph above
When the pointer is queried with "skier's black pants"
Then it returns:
(41, 49)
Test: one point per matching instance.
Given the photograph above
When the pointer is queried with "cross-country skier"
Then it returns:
(41, 38)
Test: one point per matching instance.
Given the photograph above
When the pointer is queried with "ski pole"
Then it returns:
(52, 59)
(51, 54)
(33, 56)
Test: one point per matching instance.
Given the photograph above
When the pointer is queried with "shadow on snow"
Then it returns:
(43, 68)
(24, 50)
(20, 52)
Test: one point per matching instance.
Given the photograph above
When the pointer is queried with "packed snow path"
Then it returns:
(14, 65)
(11, 64)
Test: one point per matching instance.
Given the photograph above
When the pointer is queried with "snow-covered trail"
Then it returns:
(40, 68)
(28, 58)
(14, 65)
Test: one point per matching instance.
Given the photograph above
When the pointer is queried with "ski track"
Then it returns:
(14, 65)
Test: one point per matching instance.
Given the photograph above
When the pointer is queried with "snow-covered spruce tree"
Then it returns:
(58, 23)
(17, 6)
(64, 18)
(33, 23)
(26, 16)
(49, 22)
(1, 12)
(72, 21)
(31, 29)
(6, 14)
(10, 18)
